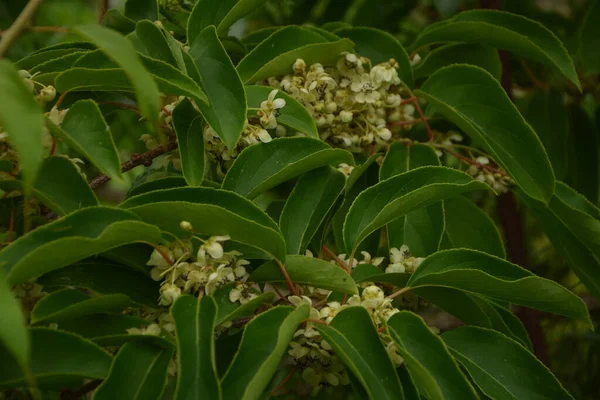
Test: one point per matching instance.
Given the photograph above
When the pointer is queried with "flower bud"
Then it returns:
(48, 93)
(185, 225)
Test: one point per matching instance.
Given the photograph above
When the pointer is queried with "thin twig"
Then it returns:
(399, 292)
(284, 381)
(288, 281)
(12, 33)
(337, 259)
(88, 387)
(101, 10)
(136, 160)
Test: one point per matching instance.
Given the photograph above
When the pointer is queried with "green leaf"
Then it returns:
(468, 226)
(308, 271)
(583, 174)
(155, 42)
(307, 206)
(264, 342)
(211, 212)
(85, 130)
(88, 79)
(229, 310)
(14, 336)
(142, 9)
(51, 68)
(379, 46)
(206, 13)
(252, 39)
(472, 99)
(51, 53)
(460, 53)
(138, 371)
(221, 82)
(22, 118)
(58, 185)
(422, 229)
(262, 167)
(476, 272)
(501, 367)
(189, 126)
(547, 114)
(589, 38)
(115, 20)
(56, 357)
(168, 182)
(123, 53)
(397, 196)
(359, 171)
(294, 115)
(194, 324)
(79, 235)
(238, 11)
(105, 278)
(515, 33)
(356, 342)
(276, 55)
(428, 360)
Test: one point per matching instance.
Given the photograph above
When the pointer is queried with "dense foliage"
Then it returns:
(244, 199)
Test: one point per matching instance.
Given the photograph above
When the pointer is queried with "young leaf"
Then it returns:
(211, 212)
(58, 185)
(294, 115)
(428, 360)
(501, 367)
(468, 226)
(115, 20)
(194, 323)
(460, 53)
(477, 272)
(308, 271)
(123, 53)
(238, 11)
(229, 310)
(472, 99)
(379, 46)
(262, 167)
(506, 31)
(56, 356)
(397, 196)
(264, 343)
(189, 126)
(142, 9)
(103, 277)
(422, 229)
(155, 42)
(226, 113)
(138, 371)
(588, 38)
(308, 204)
(79, 235)
(22, 120)
(356, 342)
(85, 130)
(69, 303)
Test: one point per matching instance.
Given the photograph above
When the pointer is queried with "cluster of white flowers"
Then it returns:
(402, 261)
(352, 263)
(210, 269)
(352, 103)
(499, 182)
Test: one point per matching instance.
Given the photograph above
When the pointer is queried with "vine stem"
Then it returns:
(399, 292)
(286, 276)
(284, 381)
(101, 10)
(337, 259)
(11, 34)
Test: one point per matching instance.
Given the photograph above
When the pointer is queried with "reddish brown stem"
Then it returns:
(337, 259)
(284, 381)
(102, 8)
(469, 161)
(122, 105)
(316, 321)
(288, 281)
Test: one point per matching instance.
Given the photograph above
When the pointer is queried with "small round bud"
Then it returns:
(24, 74)
(346, 116)
(185, 225)
(48, 93)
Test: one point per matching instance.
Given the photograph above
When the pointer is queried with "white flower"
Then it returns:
(329, 312)
(372, 297)
(393, 353)
(415, 60)
(384, 73)
(384, 133)
(263, 136)
(151, 330)
(168, 294)
(212, 247)
(299, 66)
(393, 100)
(395, 268)
(298, 301)
(157, 258)
(482, 160)
(47, 94)
(346, 116)
(365, 89)
(298, 351)
(345, 169)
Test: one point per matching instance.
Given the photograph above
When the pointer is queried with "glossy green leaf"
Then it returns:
(79, 235)
(252, 39)
(102, 277)
(206, 13)
(56, 357)
(123, 53)
(56, 65)
(88, 79)
(21, 117)
(397, 196)
(583, 174)
(422, 229)
(472, 99)
(262, 167)
(359, 170)
(115, 20)
(85, 130)
(211, 212)
(141, 9)
(189, 126)
(428, 360)
(294, 115)
(307, 206)
(221, 82)
(476, 272)
(58, 185)
(229, 310)
(138, 371)
(468, 226)
(155, 42)
(310, 271)
(239, 10)
(515, 33)
(501, 367)
(194, 324)
(14, 336)
(356, 342)
(264, 342)
(379, 46)
(460, 53)
(167, 182)
(548, 116)
(589, 41)
(50, 53)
